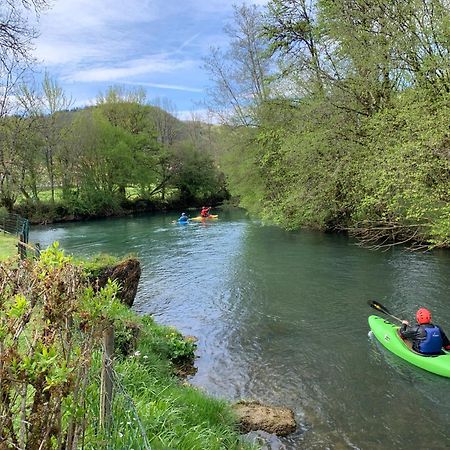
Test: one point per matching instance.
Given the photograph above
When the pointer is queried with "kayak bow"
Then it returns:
(388, 335)
(211, 216)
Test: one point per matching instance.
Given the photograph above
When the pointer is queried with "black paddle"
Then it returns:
(380, 308)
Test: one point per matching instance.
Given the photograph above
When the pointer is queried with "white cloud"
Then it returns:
(67, 53)
(159, 44)
(175, 87)
(219, 6)
(128, 69)
(79, 30)
(95, 15)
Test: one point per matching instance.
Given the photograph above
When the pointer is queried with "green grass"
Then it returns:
(132, 193)
(7, 246)
(173, 414)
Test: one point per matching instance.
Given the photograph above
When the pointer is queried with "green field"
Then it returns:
(7, 246)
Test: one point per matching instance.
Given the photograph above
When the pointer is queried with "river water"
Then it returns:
(281, 317)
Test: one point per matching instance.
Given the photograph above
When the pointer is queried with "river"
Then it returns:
(281, 317)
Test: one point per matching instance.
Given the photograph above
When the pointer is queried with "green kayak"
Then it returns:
(387, 333)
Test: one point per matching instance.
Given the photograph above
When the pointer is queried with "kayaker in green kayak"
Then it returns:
(426, 337)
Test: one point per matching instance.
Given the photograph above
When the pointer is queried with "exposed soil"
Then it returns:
(272, 419)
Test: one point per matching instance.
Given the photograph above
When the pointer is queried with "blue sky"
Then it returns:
(89, 45)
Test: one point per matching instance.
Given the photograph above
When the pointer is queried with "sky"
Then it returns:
(89, 45)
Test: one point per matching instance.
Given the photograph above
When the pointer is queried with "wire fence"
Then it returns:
(129, 431)
(118, 416)
(16, 225)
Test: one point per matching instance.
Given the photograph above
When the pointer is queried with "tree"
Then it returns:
(240, 74)
(105, 161)
(291, 29)
(127, 109)
(46, 106)
(124, 108)
(16, 40)
(165, 121)
(195, 176)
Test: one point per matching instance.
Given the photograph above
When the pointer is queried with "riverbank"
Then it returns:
(172, 413)
(43, 213)
(61, 370)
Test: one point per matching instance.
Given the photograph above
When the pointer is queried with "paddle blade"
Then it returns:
(379, 307)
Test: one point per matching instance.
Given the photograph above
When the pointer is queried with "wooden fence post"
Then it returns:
(21, 248)
(106, 388)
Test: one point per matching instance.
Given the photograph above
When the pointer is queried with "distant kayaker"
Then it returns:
(205, 211)
(183, 218)
(426, 337)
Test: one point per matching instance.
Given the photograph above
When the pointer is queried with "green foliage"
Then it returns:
(195, 176)
(410, 138)
(168, 342)
(94, 265)
(51, 322)
(180, 348)
(240, 163)
(355, 136)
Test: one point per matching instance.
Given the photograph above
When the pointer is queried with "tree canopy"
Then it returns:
(352, 133)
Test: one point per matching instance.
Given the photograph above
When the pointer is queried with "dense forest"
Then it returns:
(333, 115)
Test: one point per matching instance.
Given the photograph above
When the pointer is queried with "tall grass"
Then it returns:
(150, 403)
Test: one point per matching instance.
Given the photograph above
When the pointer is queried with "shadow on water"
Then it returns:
(282, 317)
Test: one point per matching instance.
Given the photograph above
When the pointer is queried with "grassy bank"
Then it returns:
(52, 327)
(7, 246)
(168, 412)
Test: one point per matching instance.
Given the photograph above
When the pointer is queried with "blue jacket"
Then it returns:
(426, 338)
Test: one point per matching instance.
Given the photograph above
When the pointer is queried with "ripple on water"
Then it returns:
(282, 317)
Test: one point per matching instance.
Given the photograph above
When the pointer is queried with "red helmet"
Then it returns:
(423, 316)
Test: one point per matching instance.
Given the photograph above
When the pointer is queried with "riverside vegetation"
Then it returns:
(334, 116)
(337, 116)
(51, 323)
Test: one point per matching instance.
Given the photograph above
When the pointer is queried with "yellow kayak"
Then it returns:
(210, 217)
